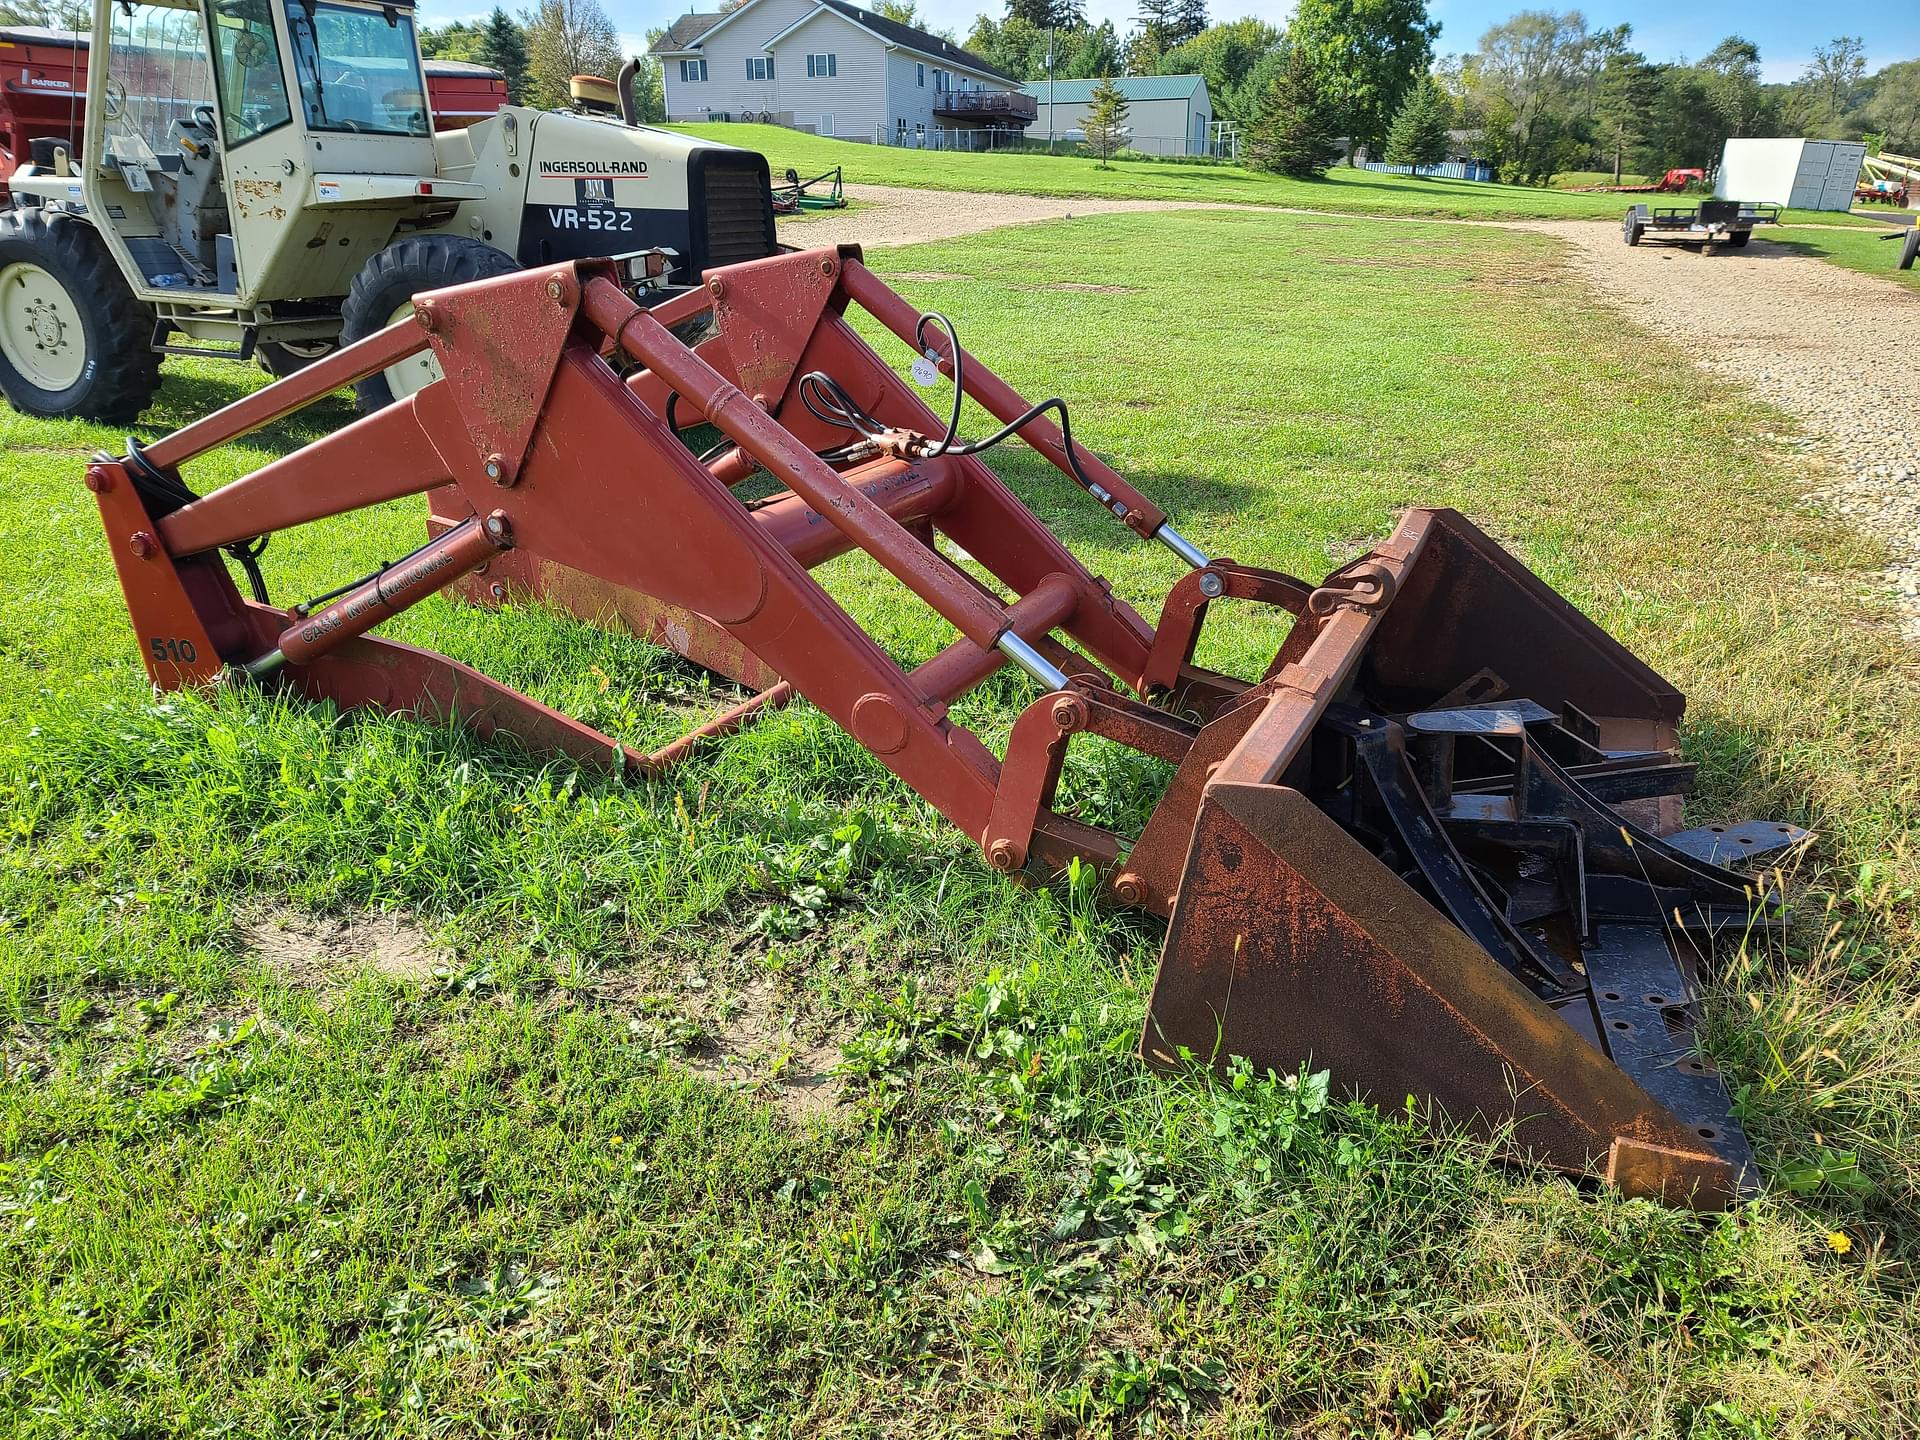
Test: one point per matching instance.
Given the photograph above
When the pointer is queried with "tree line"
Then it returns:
(1543, 93)
(539, 51)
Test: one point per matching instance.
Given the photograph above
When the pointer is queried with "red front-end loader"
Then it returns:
(1428, 848)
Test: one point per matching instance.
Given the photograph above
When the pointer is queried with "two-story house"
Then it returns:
(835, 69)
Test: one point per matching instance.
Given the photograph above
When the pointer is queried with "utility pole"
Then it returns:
(1049, 87)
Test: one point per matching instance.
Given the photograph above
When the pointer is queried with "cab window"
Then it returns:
(358, 67)
(246, 55)
(157, 73)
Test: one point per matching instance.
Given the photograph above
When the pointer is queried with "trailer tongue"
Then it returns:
(1429, 847)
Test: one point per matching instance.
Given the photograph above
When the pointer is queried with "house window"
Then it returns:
(693, 71)
(940, 81)
(759, 67)
(920, 76)
(822, 67)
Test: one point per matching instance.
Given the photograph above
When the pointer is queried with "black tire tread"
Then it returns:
(404, 269)
(127, 370)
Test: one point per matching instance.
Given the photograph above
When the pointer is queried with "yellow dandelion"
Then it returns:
(1839, 1241)
(615, 1140)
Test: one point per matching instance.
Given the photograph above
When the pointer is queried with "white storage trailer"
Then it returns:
(1806, 174)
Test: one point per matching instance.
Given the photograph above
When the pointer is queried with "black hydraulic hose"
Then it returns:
(949, 445)
(164, 493)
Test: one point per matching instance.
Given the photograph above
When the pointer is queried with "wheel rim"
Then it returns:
(416, 372)
(40, 331)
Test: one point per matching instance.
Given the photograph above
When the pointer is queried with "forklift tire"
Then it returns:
(383, 292)
(73, 340)
(281, 360)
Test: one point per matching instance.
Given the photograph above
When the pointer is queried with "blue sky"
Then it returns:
(1785, 30)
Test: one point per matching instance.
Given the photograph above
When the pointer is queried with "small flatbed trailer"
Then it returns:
(1709, 224)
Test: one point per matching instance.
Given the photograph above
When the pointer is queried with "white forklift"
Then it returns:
(259, 179)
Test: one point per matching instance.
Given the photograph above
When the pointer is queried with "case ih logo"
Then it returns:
(595, 169)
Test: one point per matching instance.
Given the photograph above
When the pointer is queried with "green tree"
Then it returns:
(457, 41)
(1829, 87)
(1013, 46)
(1623, 115)
(1365, 56)
(1043, 14)
(1419, 133)
(902, 12)
(1189, 19)
(503, 45)
(1106, 124)
(1682, 128)
(1088, 52)
(649, 94)
(566, 38)
(51, 14)
(1292, 129)
(1154, 37)
(1226, 57)
(1894, 108)
(1730, 73)
(1525, 81)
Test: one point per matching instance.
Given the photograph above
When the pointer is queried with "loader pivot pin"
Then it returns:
(1433, 848)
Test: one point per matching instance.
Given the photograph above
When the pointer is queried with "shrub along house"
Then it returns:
(834, 69)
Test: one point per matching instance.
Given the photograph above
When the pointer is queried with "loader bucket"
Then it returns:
(1423, 850)
(1428, 863)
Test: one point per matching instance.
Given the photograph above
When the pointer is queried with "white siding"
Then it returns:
(1149, 120)
(872, 89)
(907, 100)
(855, 96)
(727, 90)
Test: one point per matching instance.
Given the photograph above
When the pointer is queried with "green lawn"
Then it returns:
(590, 1176)
(1862, 250)
(1348, 191)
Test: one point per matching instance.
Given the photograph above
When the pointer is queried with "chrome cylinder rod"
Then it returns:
(1032, 661)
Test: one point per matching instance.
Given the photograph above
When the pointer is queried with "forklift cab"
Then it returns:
(255, 149)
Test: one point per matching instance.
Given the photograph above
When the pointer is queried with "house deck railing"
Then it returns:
(988, 105)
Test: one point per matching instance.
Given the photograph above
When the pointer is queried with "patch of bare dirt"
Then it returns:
(742, 1033)
(759, 1044)
(318, 950)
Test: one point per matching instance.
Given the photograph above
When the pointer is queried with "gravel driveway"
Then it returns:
(1831, 347)
(892, 215)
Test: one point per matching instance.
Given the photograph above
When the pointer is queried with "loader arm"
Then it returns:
(1425, 848)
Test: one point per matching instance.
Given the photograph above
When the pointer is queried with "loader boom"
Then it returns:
(1424, 848)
